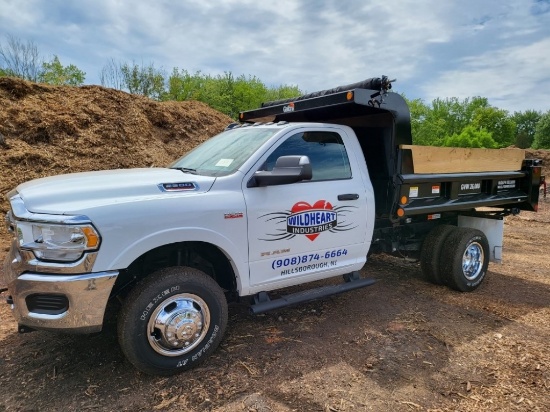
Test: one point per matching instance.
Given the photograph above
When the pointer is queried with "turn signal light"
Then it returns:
(91, 236)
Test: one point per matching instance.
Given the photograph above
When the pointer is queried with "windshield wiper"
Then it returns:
(187, 170)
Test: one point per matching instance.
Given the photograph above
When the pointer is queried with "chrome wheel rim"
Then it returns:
(472, 261)
(178, 324)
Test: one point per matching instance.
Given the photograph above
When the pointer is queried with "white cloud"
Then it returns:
(20, 15)
(514, 78)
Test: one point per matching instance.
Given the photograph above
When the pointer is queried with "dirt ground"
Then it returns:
(400, 345)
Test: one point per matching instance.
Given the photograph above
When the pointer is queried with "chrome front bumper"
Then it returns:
(87, 296)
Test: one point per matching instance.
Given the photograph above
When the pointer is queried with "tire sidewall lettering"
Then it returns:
(157, 299)
(195, 357)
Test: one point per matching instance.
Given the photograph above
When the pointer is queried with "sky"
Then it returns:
(499, 49)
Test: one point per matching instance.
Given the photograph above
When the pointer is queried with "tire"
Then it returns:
(430, 254)
(465, 259)
(191, 309)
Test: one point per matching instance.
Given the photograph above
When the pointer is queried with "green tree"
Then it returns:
(542, 132)
(452, 120)
(143, 79)
(454, 113)
(226, 93)
(526, 124)
(423, 131)
(233, 95)
(184, 86)
(248, 93)
(497, 122)
(471, 137)
(284, 91)
(134, 78)
(219, 93)
(432, 124)
(55, 73)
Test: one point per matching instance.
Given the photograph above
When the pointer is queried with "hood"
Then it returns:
(74, 193)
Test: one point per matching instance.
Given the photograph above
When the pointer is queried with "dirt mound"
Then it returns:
(47, 130)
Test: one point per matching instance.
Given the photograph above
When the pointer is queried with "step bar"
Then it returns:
(263, 303)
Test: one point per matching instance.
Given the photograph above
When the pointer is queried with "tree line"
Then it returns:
(471, 122)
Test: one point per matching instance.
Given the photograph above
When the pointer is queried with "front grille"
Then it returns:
(47, 304)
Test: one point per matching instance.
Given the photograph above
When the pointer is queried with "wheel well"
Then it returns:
(199, 255)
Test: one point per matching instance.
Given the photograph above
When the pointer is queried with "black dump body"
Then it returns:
(381, 121)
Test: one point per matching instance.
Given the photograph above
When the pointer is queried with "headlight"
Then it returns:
(64, 243)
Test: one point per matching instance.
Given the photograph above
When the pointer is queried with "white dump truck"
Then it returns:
(298, 191)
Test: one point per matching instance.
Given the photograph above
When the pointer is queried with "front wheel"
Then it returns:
(172, 321)
(465, 259)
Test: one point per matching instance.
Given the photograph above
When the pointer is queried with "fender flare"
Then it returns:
(237, 260)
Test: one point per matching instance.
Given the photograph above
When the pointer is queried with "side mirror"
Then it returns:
(288, 169)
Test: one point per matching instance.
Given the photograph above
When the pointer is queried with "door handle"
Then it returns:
(348, 196)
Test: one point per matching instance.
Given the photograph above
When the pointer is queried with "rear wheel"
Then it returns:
(431, 253)
(172, 321)
(465, 259)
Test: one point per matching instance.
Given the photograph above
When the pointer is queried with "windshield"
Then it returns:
(223, 154)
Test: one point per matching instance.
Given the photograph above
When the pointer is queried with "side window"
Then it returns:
(325, 150)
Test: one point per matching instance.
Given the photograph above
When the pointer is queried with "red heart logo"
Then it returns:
(303, 206)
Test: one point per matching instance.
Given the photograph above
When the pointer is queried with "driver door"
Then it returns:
(310, 229)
